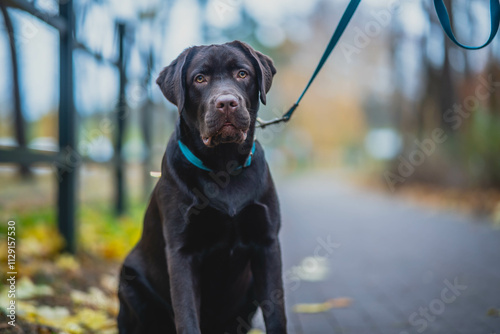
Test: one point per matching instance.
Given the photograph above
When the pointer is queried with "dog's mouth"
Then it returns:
(227, 133)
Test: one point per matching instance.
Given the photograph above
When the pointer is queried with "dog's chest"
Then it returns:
(211, 229)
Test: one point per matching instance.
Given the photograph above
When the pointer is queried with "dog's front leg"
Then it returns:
(266, 269)
(185, 290)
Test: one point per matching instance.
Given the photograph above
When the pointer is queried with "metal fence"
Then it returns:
(67, 160)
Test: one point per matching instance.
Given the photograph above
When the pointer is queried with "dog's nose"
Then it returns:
(226, 103)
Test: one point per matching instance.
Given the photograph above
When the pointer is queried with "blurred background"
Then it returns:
(398, 111)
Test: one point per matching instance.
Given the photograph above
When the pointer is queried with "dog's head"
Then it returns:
(217, 88)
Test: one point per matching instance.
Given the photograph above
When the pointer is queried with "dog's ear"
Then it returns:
(172, 82)
(263, 65)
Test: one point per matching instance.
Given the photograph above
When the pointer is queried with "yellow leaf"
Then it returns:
(256, 331)
(26, 289)
(322, 307)
(109, 282)
(492, 312)
(94, 320)
(95, 298)
(67, 262)
(35, 241)
(53, 314)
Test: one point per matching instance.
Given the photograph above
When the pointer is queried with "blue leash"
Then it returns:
(344, 21)
(444, 18)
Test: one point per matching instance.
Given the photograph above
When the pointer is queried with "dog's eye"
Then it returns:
(199, 78)
(242, 74)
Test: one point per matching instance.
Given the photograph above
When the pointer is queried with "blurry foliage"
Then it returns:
(481, 147)
(102, 234)
(443, 76)
(65, 293)
(45, 127)
(405, 78)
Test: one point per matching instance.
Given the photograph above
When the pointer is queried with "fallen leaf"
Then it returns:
(95, 298)
(322, 307)
(312, 269)
(109, 283)
(95, 320)
(26, 289)
(67, 262)
(341, 302)
(256, 331)
(493, 312)
(52, 314)
(34, 242)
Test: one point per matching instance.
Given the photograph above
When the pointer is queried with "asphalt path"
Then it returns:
(389, 265)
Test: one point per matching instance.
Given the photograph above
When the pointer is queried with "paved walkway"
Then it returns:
(406, 268)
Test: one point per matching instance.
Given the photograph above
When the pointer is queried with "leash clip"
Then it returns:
(285, 118)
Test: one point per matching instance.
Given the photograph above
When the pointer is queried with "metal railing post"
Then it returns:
(67, 172)
(120, 196)
(19, 122)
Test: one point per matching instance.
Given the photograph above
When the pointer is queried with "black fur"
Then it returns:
(209, 254)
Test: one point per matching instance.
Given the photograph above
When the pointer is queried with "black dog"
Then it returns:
(209, 253)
